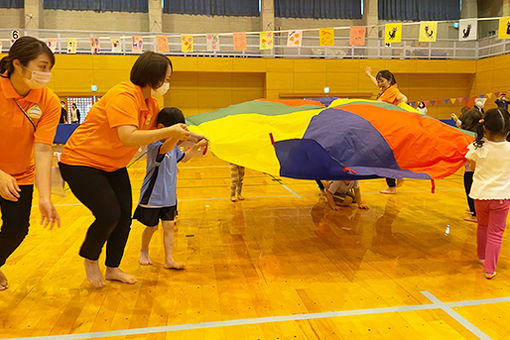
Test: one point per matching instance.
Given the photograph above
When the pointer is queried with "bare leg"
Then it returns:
(145, 260)
(94, 273)
(3, 281)
(168, 241)
(115, 274)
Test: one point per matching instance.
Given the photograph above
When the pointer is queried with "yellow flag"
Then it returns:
(327, 36)
(428, 31)
(504, 28)
(453, 100)
(71, 46)
(187, 43)
(489, 95)
(266, 40)
(393, 33)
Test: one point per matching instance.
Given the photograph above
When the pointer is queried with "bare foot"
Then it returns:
(173, 265)
(400, 181)
(471, 219)
(489, 276)
(392, 190)
(145, 259)
(233, 198)
(115, 274)
(239, 197)
(94, 273)
(3, 281)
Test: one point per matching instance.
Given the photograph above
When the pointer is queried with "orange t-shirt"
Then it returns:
(17, 135)
(96, 143)
(390, 95)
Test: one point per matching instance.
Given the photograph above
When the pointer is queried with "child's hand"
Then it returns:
(363, 206)
(200, 145)
(454, 117)
(368, 70)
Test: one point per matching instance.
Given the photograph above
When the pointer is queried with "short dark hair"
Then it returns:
(470, 119)
(386, 75)
(150, 69)
(25, 49)
(170, 116)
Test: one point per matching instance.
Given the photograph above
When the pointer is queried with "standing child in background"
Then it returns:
(390, 93)
(345, 192)
(421, 108)
(237, 175)
(159, 189)
(469, 120)
(490, 160)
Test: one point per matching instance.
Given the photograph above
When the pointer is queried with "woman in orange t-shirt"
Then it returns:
(390, 93)
(95, 157)
(29, 114)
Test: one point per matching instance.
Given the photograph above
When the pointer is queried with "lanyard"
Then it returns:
(26, 115)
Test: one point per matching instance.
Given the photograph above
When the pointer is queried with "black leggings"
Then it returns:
(16, 219)
(468, 181)
(108, 197)
(392, 182)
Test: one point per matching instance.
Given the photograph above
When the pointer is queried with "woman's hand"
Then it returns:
(179, 131)
(48, 214)
(9, 188)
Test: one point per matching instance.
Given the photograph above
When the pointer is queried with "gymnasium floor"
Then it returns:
(279, 265)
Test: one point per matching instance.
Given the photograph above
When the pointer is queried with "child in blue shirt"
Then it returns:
(158, 194)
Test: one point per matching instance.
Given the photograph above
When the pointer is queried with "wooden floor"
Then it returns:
(281, 255)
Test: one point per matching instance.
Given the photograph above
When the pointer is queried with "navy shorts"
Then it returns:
(151, 216)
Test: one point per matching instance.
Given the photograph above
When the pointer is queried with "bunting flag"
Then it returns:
(95, 45)
(71, 45)
(266, 40)
(294, 38)
(453, 100)
(116, 45)
(357, 35)
(1, 45)
(489, 95)
(446, 101)
(412, 103)
(187, 43)
(468, 29)
(393, 33)
(428, 31)
(482, 96)
(497, 94)
(239, 41)
(327, 36)
(460, 99)
(213, 42)
(162, 44)
(504, 28)
(432, 102)
(137, 44)
(52, 44)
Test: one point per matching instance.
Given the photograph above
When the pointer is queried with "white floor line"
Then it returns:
(447, 309)
(290, 190)
(437, 304)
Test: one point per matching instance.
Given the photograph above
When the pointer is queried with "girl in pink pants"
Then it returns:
(490, 160)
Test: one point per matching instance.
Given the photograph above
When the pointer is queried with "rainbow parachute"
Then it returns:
(331, 138)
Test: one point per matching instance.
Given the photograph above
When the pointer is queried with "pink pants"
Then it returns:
(491, 225)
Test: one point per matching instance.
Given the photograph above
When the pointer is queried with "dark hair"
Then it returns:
(386, 75)
(495, 121)
(25, 49)
(170, 116)
(470, 119)
(464, 109)
(150, 69)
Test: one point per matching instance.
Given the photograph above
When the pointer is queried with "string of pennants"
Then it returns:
(392, 34)
(467, 100)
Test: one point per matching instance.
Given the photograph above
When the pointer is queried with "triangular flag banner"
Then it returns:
(428, 31)
(393, 33)
(357, 35)
(116, 46)
(137, 44)
(446, 101)
(497, 94)
(489, 95)
(213, 42)
(460, 99)
(187, 43)
(95, 45)
(426, 103)
(468, 29)
(453, 100)
(52, 44)
(266, 40)
(504, 28)
(239, 41)
(294, 38)
(412, 103)
(162, 44)
(482, 95)
(432, 102)
(327, 36)
(71, 46)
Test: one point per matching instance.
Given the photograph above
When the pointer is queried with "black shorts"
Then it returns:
(151, 216)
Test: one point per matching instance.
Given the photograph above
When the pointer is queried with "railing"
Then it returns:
(374, 47)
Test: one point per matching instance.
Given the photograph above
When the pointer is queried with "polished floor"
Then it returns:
(271, 267)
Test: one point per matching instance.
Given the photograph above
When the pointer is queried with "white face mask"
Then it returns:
(161, 91)
(38, 80)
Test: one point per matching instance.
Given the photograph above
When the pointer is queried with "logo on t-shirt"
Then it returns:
(34, 112)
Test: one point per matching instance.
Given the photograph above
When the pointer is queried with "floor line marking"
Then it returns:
(448, 310)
